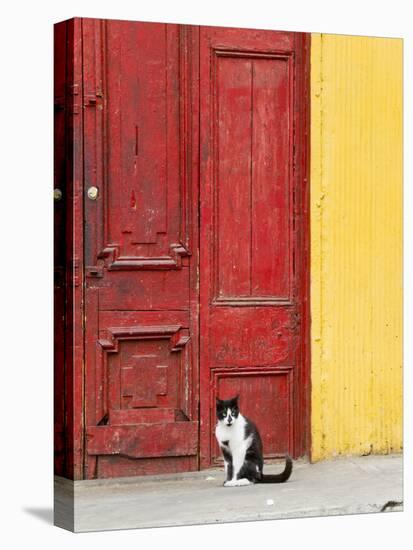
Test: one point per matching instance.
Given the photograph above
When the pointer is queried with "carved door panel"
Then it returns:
(141, 386)
(253, 233)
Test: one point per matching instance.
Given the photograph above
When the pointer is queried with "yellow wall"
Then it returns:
(356, 245)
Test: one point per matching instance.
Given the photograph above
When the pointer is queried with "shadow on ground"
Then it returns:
(44, 514)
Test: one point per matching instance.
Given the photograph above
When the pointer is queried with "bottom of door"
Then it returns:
(142, 449)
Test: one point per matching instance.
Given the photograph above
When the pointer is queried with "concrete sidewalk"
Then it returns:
(341, 486)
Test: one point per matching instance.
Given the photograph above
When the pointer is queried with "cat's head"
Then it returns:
(227, 410)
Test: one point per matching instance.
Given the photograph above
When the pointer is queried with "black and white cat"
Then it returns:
(241, 446)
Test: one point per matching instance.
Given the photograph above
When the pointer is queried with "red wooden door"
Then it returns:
(253, 283)
(195, 274)
(140, 197)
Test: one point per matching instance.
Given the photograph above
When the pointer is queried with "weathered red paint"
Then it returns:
(195, 275)
(141, 254)
(253, 242)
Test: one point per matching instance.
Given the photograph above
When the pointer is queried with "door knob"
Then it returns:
(57, 194)
(92, 193)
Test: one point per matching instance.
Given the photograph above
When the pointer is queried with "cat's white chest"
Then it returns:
(233, 436)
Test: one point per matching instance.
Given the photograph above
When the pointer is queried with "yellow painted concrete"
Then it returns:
(356, 245)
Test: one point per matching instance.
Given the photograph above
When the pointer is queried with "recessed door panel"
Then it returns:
(252, 125)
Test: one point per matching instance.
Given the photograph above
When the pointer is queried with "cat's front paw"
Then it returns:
(237, 482)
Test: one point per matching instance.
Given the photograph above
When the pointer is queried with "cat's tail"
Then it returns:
(279, 478)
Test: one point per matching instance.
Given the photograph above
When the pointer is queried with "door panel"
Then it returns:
(140, 248)
(252, 99)
(143, 209)
(266, 395)
(252, 232)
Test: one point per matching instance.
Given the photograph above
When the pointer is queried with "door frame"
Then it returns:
(71, 368)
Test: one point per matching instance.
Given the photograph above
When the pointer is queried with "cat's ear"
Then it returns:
(235, 399)
(218, 400)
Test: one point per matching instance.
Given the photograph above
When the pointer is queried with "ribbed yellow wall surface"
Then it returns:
(356, 245)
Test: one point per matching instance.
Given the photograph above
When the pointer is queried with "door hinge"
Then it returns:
(73, 91)
(92, 99)
(76, 272)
